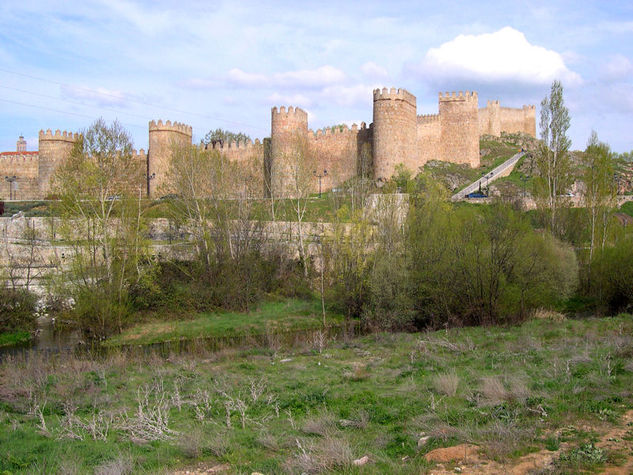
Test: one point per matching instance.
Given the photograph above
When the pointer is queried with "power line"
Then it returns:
(63, 112)
(221, 119)
(70, 101)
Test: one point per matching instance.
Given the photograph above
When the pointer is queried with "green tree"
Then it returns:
(552, 157)
(100, 186)
(599, 173)
(221, 137)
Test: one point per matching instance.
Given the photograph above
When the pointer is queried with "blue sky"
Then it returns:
(225, 64)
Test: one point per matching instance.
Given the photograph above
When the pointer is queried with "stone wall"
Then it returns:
(53, 148)
(428, 139)
(164, 138)
(396, 136)
(395, 131)
(459, 123)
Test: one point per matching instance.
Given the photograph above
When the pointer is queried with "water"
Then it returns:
(49, 338)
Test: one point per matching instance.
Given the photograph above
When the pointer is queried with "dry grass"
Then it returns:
(360, 420)
(122, 465)
(446, 384)
(493, 390)
(322, 425)
(326, 455)
(545, 314)
(357, 373)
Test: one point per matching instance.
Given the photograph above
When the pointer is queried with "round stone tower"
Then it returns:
(459, 122)
(53, 148)
(289, 132)
(395, 131)
(164, 138)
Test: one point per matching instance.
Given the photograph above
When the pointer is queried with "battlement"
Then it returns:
(239, 145)
(139, 154)
(14, 157)
(428, 118)
(290, 112)
(334, 131)
(492, 103)
(171, 127)
(529, 108)
(460, 96)
(59, 135)
(385, 94)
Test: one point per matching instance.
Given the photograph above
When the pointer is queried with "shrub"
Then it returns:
(17, 310)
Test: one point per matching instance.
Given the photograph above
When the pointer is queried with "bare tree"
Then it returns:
(101, 185)
(300, 162)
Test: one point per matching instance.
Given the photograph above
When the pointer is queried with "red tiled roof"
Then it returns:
(19, 153)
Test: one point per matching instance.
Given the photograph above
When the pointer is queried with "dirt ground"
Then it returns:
(468, 459)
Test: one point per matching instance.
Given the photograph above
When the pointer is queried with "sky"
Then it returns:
(216, 64)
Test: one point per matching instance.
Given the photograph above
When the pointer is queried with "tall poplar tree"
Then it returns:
(552, 157)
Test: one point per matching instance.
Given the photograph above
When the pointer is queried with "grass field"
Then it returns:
(547, 386)
(287, 315)
(14, 338)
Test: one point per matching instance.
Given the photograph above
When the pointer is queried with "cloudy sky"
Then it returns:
(225, 64)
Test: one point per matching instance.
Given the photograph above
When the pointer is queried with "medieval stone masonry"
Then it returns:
(397, 135)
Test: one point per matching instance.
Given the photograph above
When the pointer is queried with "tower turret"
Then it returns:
(459, 122)
(289, 130)
(53, 148)
(163, 139)
(394, 131)
(21, 144)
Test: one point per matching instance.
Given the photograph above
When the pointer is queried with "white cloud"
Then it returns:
(372, 70)
(505, 55)
(99, 96)
(319, 77)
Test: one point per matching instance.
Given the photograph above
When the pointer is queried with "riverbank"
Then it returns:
(544, 387)
(268, 316)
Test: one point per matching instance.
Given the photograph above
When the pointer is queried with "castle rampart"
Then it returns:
(398, 135)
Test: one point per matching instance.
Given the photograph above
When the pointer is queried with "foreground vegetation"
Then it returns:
(548, 384)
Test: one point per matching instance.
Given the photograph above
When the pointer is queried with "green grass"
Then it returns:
(627, 208)
(29, 208)
(14, 338)
(307, 410)
(288, 315)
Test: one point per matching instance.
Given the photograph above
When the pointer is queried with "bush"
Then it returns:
(17, 310)
(611, 276)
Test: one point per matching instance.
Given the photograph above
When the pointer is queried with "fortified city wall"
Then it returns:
(397, 135)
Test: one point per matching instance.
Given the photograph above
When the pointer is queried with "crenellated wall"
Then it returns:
(494, 119)
(428, 137)
(459, 124)
(23, 166)
(337, 153)
(397, 136)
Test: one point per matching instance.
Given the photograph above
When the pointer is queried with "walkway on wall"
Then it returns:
(502, 170)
